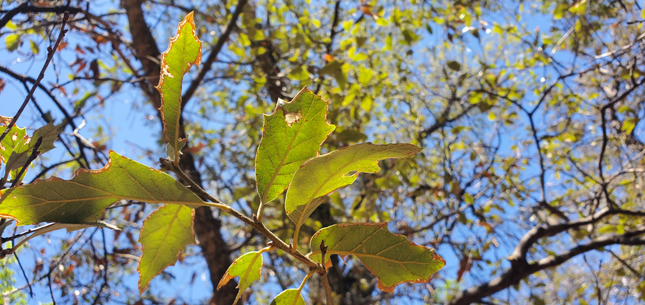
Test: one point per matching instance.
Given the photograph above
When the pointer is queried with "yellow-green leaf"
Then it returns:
(248, 267)
(165, 233)
(12, 42)
(17, 145)
(184, 51)
(392, 258)
(289, 297)
(83, 199)
(292, 135)
(321, 175)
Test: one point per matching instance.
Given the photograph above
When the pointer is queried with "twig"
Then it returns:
(31, 158)
(323, 274)
(31, 291)
(258, 226)
(26, 8)
(50, 55)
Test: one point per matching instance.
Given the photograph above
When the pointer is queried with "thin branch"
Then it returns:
(323, 274)
(31, 158)
(50, 55)
(213, 54)
(26, 8)
(259, 226)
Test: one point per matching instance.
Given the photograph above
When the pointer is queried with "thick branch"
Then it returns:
(518, 271)
(520, 268)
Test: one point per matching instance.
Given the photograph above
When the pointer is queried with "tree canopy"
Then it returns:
(505, 139)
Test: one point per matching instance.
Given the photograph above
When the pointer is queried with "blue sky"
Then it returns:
(133, 126)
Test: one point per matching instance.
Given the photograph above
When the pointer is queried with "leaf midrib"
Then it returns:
(314, 196)
(289, 147)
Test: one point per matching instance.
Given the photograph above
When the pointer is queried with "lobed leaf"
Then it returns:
(321, 175)
(392, 258)
(289, 297)
(83, 199)
(165, 233)
(184, 51)
(248, 267)
(292, 134)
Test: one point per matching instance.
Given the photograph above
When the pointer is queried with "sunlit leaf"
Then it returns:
(292, 135)
(248, 268)
(184, 51)
(289, 297)
(165, 233)
(17, 145)
(392, 258)
(321, 175)
(84, 198)
(12, 42)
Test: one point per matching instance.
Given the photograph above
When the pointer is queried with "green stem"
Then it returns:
(304, 281)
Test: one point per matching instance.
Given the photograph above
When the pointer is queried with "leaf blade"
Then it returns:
(164, 235)
(22, 146)
(184, 51)
(289, 297)
(248, 268)
(89, 192)
(321, 175)
(381, 255)
(291, 135)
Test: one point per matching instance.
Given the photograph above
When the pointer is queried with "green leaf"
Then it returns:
(291, 135)
(84, 198)
(331, 68)
(392, 258)
(184, 51)
(12, 42)
(454, 65)
(349, 135)
(248, 267)
(629, 124)
(579, 8)
(165, 233)
(34, 47)
(321, 175)
(289, 297)
(17, 146)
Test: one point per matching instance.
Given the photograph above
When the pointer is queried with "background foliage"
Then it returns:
(529, 183)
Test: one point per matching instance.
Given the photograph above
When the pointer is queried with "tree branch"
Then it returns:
(206, 67)
(26, 8)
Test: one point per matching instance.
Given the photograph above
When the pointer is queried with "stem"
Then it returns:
(258, 226)
(294, 243)
(304, 281)
(260, 210)
(323, 274)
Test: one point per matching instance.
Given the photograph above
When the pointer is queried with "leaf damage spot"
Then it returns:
(292, 117)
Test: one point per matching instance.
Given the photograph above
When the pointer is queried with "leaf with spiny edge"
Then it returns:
(248, 268)
(292, 134)
(323, 174)
(165, 233)
(289, 297)
(184, 51)
(83, 199)
(392, 258)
